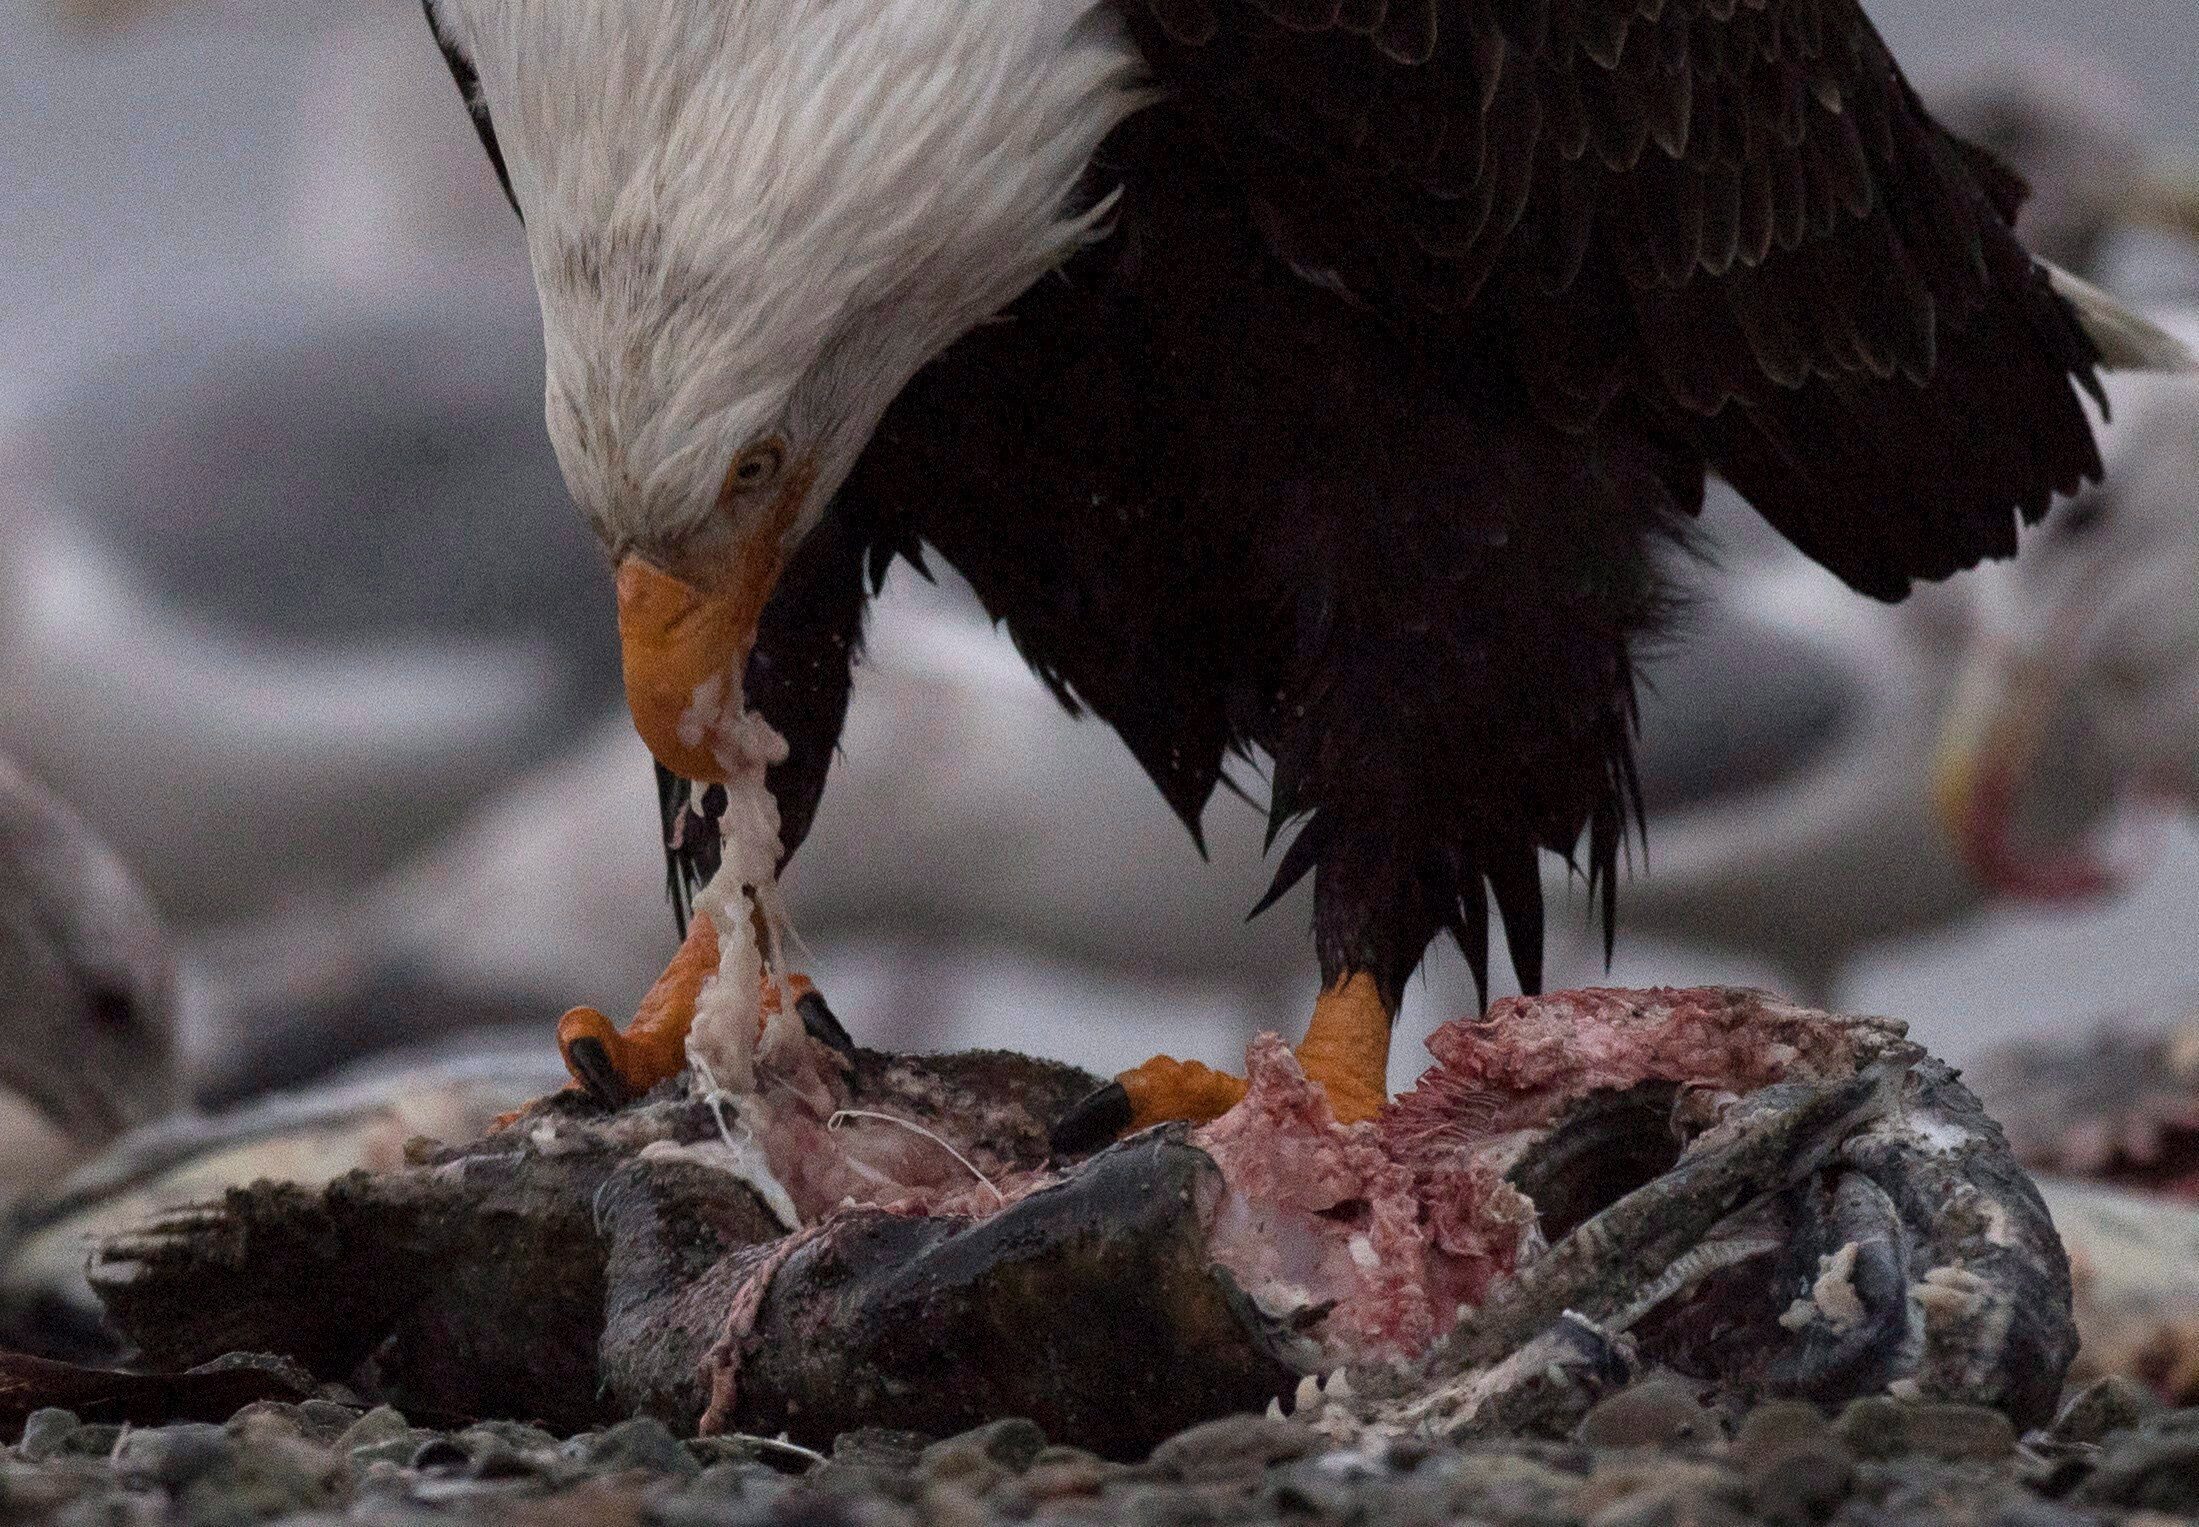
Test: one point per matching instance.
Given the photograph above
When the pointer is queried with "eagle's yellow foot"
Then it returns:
(618, 1067)
(1346, 1050)
(615, 1068)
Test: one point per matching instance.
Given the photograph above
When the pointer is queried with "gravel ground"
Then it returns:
(1650, 1455)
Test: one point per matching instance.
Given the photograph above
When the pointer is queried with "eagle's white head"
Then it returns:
(751, 222)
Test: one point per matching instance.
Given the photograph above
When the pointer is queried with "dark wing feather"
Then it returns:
(469, 88)
(1735, 210)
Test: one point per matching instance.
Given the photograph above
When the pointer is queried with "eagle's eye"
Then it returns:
(754, 470)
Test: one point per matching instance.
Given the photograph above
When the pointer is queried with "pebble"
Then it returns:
(1653, 1461)
(980, 1461)
(1231, 1448)
(45, 1432)
(2153, 1468)
(439, 1455)
(172, 1457)
(1793, 1465)
(1633, 1485)
(2108, 1405)
(94, 1440)
(314, 1421)
(723, 1492)
(265, 1480)
(381, 1424)
(880, 1447)
(515, 1435)
(643, 1444)
(1880, 1427)
(399, 1450)
(1059, 1473)
(1659, 1412)
(492, 1460)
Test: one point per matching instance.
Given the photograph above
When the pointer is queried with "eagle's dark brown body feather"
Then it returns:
(1419, 324)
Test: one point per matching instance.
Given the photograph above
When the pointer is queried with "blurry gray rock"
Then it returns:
(309, 565)
(87, 982)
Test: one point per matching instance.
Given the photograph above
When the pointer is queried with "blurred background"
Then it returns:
(294, 615)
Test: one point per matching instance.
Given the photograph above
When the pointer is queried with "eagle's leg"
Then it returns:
(1347, 1047)
(615, 1068)
(1346, 1050)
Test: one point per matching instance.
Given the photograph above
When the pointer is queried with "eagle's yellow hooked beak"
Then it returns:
(685, 647)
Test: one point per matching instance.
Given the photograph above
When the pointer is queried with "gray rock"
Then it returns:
(1804, 1484)
(398, 1451)
(439, 1455)
(643, 1443)
(722, 1493)
(2109, 1405)
(1235, 1448)
(1057, 1474)
(494, 1460)
(2152, 1469)
(1658, 1412)
(2040, 1513)
(329, 1416)
(270, 1476)
(384, 1423)
(96, 1440)
(1492, 1484)
(1885, 1428)
(1787, 1464)
(836, 1480)
(46, 1432)
(315, 1421)
(880, 1447)
(381, 1479)
(742, 1480)
(516, 1435)
(1775, 1426)
(986, 1453)
(173, 1457)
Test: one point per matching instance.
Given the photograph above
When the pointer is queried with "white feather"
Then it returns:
(759, 216)
(2126, 341)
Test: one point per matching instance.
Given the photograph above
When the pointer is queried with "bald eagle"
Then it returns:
(1312, 379)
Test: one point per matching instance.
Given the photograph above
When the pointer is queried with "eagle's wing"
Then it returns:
(1735, 213)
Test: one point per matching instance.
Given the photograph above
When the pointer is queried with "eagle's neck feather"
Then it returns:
(716, 187)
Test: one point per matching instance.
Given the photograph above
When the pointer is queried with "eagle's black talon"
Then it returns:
(1093, 1121)
(822, 1024)
(597, 1075)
